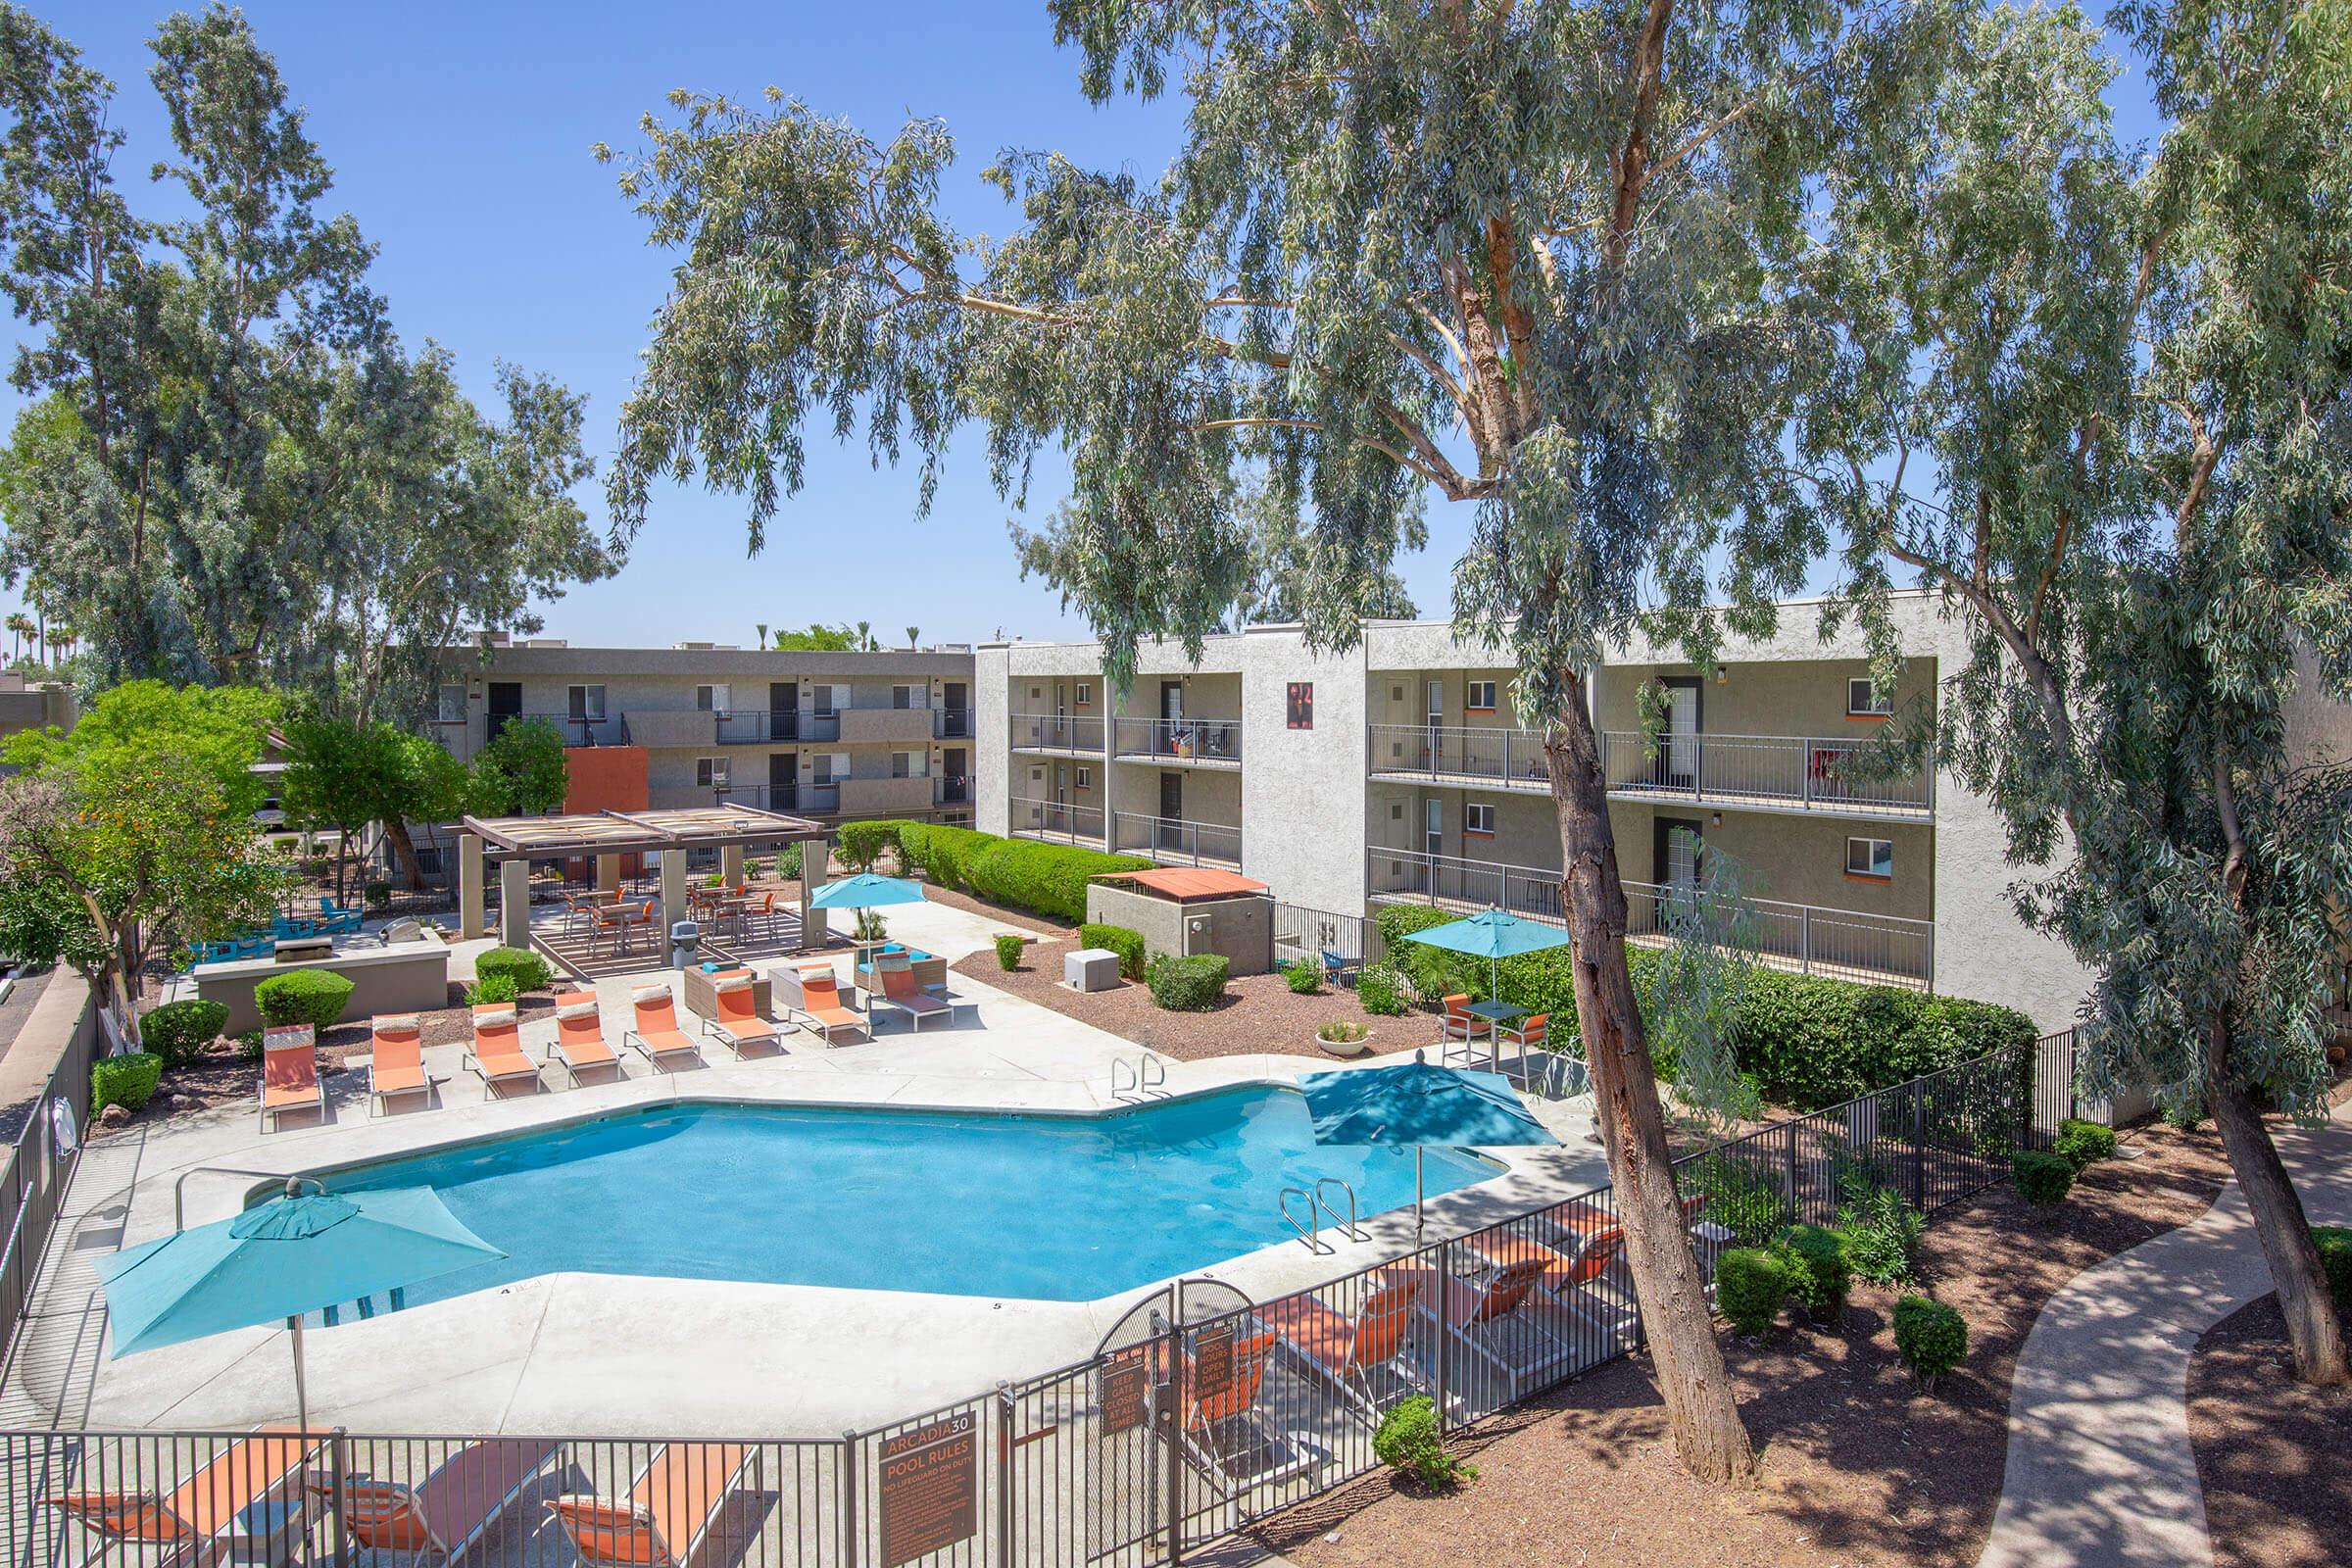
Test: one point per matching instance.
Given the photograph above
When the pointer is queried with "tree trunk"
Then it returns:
(2313, 1327)
(404, 853)
(1708, 1432)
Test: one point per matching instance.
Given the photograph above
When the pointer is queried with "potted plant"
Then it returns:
(1343, 1036)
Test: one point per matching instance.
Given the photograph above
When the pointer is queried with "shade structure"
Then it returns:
(865, 891)
(276, 1261)
(1492, 935)
(1415, 1103)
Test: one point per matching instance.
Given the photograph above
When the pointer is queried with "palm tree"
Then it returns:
(914, 635)
(20, 627)
(866, 636)
(763, 642)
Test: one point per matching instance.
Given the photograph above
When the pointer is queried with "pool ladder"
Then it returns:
(1310, 1234)
(1135, 1080)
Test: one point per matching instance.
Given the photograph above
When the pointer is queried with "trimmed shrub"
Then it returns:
(2334, 1243)
(1009, 951)
(528, 970)
(2082, 1143)
(302, 996)
(942, 853)
(1879, 1232)
(1931, 1336)
(1819, 1276)
(1188, 985)
(2042, 1179)
(1049, 878)
(178, 1031)
(1305, 976)
(1751, 1283)
(1124, 941)
(788, 862)
(376, 894)
(125, 1081)
(862, 842)
(492, 988)
(1740, 1198)
(1408, 1439)
(1381, 989)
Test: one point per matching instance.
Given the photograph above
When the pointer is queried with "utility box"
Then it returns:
(1091, 969)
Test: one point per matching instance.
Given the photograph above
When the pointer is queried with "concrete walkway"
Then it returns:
(2100, 1473)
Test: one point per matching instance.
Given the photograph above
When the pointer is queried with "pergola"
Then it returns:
(513, 843)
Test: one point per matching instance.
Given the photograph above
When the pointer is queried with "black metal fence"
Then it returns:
(1176, 1435)
(1303, 932)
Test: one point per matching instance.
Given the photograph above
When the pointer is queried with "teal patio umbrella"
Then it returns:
(865, 891)
(301, 1252)
(1418, 1104)
(1492, 935)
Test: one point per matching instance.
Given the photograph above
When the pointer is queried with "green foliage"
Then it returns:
(1880, 1232)
(522, 773)
(2334, 1246)
(1305, 976)
(499, 987)
(788, 862)
(1819, 1276)
(1009, 951)
(125, 1081)
(817, 638)
(216, 734)
(862, 842)
(1188, 985)
(377, 894)
(314, 997)
(1049, 878)
(1126, 943)
(529, 970)
(1380, 989)
(943, 853)
(1409, 1439)
(344, 776)
(1931, 1336)
(2042, 1179)
(2082, 1144)
(1751, 1284)
(42, 922)
(1741, 1196)
(179, 1031)
(870, 925)
(250, 1045)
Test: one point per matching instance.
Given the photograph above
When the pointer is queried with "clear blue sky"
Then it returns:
(459, 136)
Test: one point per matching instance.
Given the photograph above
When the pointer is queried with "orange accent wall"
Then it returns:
(605, 778)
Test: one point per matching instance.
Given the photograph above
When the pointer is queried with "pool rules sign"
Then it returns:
(930, 1497)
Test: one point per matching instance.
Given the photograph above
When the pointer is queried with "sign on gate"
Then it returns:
(930, 1497)
(1213, 1364)
(1126, 1387)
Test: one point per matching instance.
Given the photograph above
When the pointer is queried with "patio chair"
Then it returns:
(1223, 1431)
(454, 1507)
(901, 994)
(396, 1060)
(289, 1078)
(1458, 1029)
(197, 1521)
(672, 1505)
(1569, 1272)
(580, 1036)
(1346, 1351)
(1527, 1036)
(739, 1023)
(658, 1033)
(1489, 1319)
(335, 919)
(811, 992)
(497, 1054)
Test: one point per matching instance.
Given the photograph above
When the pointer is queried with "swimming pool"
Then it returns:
(997, 1204)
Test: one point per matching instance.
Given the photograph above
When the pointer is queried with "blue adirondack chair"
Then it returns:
(336, 919)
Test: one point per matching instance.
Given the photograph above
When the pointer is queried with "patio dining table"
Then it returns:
(1494, 1014)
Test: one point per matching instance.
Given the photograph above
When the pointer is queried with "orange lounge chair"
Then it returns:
(900, 993)
(811, 992)
(1222, 1430)
(1489, 1318)
(395, 1060)
(739, 1022)
(289, 1078)
(497, 1052)
(205, 1512)
(658, 1033)
(677, 1499)
(447, 1516)
(1348, 1350)
(580, 1035)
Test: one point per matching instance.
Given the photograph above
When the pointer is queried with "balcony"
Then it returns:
(884, 795)
(612, 730)
(1804, 939)
(1456, 754)
(762, 797)
(954, 789)
(1057, 732)
(1180, 742)
(775, 726)
(1762, 772)
(879, 724)
(952, 724)
(1173, 840)
(1053, 819)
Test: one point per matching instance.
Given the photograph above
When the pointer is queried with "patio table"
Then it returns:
(1495, 1015)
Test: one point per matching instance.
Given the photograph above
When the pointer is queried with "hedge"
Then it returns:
(528, 970)
(1188, 985)
(1819, 1277)
(1049, 878)
(302, 996)
(1751, 1286)
(862, 842)
(125, 1081)
(2335, 1244)
(1124, 941)
(1808, 1042)
(178, 1031)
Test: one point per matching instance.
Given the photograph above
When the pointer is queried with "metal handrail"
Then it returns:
(1188, 739)
(1311, 1233)
(1176, 836)
(1348, 1227)
(1146, 1073)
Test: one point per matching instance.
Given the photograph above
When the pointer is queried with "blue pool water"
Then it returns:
(997, 1205)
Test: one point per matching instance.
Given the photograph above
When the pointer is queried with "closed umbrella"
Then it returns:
(302, 1253)
(1415, 1103)
(865, 891)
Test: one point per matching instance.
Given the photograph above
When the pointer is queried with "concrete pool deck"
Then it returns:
(644, 1356)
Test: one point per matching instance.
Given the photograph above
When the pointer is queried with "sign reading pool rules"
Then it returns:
(930, 1497)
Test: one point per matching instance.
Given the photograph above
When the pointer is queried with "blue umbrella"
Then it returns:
(293, 1255)
(865, 891)
(1492, 935)
(1416, 1103)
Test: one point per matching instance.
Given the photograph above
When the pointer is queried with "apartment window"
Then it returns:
(713, 700)
(449, 705)
(831, 700)
(1870, 859)
(1086, 694)
(1086, 779)
(1863, 703)
(710, 772)
(910, 764)
(1299, 704)
(832, 766)
(584, 703)
(1478, 696)
(1478, 820)
(911, 697)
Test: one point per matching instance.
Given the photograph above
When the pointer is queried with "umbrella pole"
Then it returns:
(302, 1401)
(1416, 1197)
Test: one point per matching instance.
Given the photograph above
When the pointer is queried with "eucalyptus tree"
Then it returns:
(1522, 256)
(2131, 388)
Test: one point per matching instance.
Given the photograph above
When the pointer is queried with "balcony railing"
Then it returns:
(1510, 756)
(1842, 944)
(1056, 732)
(1181, 740)
(764, 797)
(1774, 769)
(611, 730)
(1176, 840)
(777, 727)
(954, 789)
(952, 724)
(1055, 819)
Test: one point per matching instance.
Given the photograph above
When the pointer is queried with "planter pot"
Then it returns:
(1344, 1048)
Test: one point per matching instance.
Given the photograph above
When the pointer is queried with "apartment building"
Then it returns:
(832, 736)
(1395, 772)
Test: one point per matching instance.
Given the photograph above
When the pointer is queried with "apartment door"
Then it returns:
(1171, 739)
(955, 722)
(783, 710)
(1678, 755)
(1676, 845)
(783, 781)
(956, 764)
(1437, 723)
(1171, 810)
(505, 703)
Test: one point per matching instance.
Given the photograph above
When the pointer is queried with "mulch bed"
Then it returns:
(1857, 1467)
(2271, 1451)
